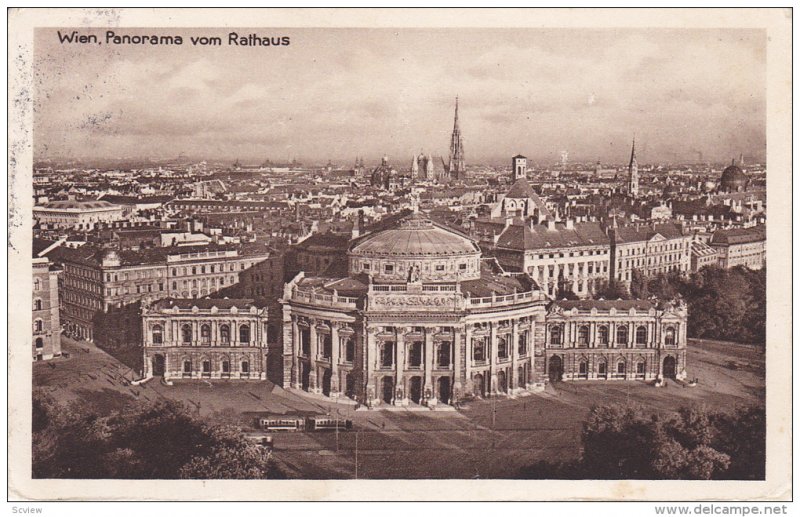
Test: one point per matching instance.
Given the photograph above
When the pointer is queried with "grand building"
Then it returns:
(649, 248)
(741, 247)
(615, 339)
(205, 338)
(422, 318)
(76, 214)
(46, 327)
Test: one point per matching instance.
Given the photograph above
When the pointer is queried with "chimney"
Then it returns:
(551, 224)
(570, 224)
(508, 221)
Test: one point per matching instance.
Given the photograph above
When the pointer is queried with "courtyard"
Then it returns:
(485, 439)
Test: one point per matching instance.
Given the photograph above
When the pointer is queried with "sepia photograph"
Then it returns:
(401, 249)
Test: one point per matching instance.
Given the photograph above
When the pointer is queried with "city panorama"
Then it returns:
(439, 280)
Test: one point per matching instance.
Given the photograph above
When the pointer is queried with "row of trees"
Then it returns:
(160, 440)
(727, 304)
(628, 443)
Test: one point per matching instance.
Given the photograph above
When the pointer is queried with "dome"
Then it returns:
(416, 250)
(733, 179)
(416, 236)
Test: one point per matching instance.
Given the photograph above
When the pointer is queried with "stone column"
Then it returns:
(513, 379)
(428, 385)
(335, 360)
(457, 366)
(369, 362)
(295, 353)
(312, 374)
(492, 352)
(399, 367)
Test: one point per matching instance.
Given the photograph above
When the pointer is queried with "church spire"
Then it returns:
(456, 168)
(633, 171)
(455, 123)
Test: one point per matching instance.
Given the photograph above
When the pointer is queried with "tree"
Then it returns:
(160, 440)
(639, 288)
(612, 290)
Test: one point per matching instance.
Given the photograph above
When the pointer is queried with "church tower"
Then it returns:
(456, 166)
(633, 172)
(519, 166)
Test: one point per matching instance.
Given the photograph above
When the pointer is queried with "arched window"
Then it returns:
(502, 348)
(583, 335)
(602, 335)
(583, 369)
(244, 334)
(641, 335)
(622, 335)
(174, 285)
(186, 334)
(245, 368)
(158, 334)
(224, 334)
(38, 326)
(669, 336)
(194, 270)
(187, 366)
(39, 343)
(621, 368)
(37, 304)
(205, 334)
(555, 335)
(37, 284)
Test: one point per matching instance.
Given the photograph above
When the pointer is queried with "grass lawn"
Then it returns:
(486, 439)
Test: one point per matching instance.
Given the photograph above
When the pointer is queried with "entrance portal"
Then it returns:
(555, 368)
(158, 365)
(502, 385)
(415, 389)
(669, 367)
(478, 388)
(326, 382)
(444, 390)
(350, 386)
(305, 375)
(387, 389)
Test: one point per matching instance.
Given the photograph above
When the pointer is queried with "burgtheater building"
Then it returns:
(422, 318)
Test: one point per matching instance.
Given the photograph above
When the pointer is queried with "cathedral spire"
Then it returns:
(455, 123)
(633, 171)
(455, 168)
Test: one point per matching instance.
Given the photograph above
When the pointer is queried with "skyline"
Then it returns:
(534, 92)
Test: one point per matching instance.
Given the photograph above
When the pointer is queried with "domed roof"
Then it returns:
(733, 178)
(416, 236)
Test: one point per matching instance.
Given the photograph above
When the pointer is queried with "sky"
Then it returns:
(341, 93)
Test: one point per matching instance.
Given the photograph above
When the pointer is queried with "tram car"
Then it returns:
(324, 423)
(299, 423)
(284, 424)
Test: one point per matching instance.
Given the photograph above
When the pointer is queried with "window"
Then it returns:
(205, 334)
(622, 335)
(640, 369)
(206, 367)
(387, 354)
(583, 370)
(522, 344)
(245, 368)
(37, 284)
(443, 354)
(186, 334)
(365, 266)
(479, 351)
(602, 334)
(37, 304)
(349, 350)
(38, 326)
(462, 267)
(669, 336)
(602, 369)
(388, 268)
(202, 269)
(39, 343)
(415, 354)
(194, 270)
(244, 334)
(641, 335)
(583, 335)
(174, 285)
(555, 335)
(226, 367)
(502, 348)
(621, 368)
(439, 267)
(187, 366)
(158, 334)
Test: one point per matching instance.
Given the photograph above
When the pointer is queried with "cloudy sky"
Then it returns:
(346, 92)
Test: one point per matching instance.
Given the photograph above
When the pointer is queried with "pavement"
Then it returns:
(485, 439)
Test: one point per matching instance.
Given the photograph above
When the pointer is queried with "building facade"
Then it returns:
(650, 249)
(615, 339)
(77, 214)
(741, 247)
(420, 319)
(205, 339)
(46, 325)
(560, 257)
